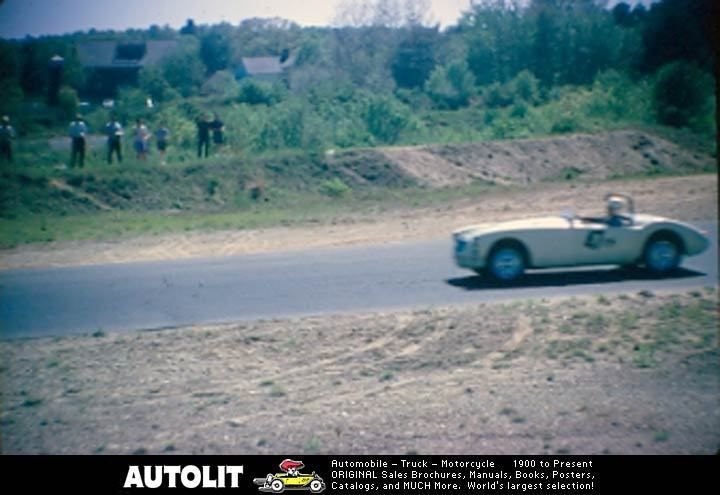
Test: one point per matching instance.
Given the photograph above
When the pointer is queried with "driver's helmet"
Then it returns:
(615, 205)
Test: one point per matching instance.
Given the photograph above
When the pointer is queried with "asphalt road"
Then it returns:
(152, 295)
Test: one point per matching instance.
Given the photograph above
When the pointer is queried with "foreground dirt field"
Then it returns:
(631, 374)
(685, 198)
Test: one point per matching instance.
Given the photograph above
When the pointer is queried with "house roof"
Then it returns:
(262, 65)
(104, 54)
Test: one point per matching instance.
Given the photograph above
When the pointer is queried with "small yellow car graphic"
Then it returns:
(278, 483)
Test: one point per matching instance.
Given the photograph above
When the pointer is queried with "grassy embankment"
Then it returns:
(45, 203)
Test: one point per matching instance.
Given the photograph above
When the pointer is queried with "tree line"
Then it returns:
(385, 61)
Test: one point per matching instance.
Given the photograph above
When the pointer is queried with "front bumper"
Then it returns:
(466, 253)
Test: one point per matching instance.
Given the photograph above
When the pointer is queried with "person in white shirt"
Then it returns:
(142, 138)
(78, 131)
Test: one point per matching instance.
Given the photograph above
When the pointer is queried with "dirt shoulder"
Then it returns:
(685, 198)
(629, 374)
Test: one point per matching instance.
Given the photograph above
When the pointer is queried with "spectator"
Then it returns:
(163, 136)
(218, 128)
(203, 134)
(114, 132)
(7, 134)
(142, 139)
(78, 131)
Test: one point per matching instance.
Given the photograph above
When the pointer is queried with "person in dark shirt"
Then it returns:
(114, 132)
(162, 136)
(217, 127)
(7, 134)
(203, 134)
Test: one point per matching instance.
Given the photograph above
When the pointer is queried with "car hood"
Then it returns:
(540, 223)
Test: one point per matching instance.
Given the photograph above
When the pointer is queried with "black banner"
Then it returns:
(357, 475)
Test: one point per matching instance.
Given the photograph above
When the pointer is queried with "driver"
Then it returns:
(615, 206)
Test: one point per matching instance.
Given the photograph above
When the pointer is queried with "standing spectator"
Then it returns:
(7, 134)
(78, 131)
(203, 134)
(163, 136)
(142, 139)
(114, 132)
(218, 128)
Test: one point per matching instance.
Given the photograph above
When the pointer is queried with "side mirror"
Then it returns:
(569, 215)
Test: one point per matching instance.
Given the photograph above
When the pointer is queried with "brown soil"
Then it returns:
(629, 374)
(526, 161)
(684, 198)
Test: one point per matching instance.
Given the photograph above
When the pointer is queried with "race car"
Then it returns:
(278, 483)
(505, 250)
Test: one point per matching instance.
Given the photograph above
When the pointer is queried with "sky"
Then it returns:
(19, 18)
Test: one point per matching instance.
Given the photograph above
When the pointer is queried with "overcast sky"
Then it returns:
(19, 18)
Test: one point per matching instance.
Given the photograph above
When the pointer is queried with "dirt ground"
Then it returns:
(527, 161)
(686, 198)
(623, 374)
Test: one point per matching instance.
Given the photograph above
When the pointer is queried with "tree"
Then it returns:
(414, 58)
(680, 30)
(152, 81)
(215, 51)
(451, 86)
(183, 69)
(189, 28)
(545, 45)
(681, 91)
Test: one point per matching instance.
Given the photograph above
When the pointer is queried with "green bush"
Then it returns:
(259, 93)
(153, 83)
(526, 87)
(335, 188)
(68, 101)
(451, 86)
(386, 118)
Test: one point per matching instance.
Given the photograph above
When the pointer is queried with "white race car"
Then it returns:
(504, 250)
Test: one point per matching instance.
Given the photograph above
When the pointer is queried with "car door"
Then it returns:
(605, 244)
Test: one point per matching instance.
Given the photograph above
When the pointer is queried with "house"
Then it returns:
(111, 64)
(271, 69)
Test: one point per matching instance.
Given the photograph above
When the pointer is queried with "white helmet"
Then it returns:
(615, 205)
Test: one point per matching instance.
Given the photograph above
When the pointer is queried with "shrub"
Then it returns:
(154, 84)
(335, 188)
(452, 86)
(386, 118)
(68, 101)
(259, 93)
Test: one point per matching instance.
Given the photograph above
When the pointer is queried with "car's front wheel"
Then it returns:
(316, 486)
(662, 255)
(506, 263)
(277, 486)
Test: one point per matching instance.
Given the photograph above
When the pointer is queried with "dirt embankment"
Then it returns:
(684, 198)
(525, 161)
(622, 374)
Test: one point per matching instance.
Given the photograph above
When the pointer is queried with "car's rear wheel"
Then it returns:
(316, 486)
(662, 255)
(506, 263)
(277, 486)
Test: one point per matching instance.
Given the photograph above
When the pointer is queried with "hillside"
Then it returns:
(230, 184)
